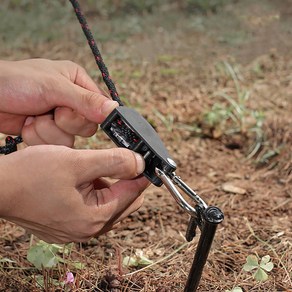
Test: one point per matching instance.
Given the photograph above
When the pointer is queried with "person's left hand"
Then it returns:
(49, 102)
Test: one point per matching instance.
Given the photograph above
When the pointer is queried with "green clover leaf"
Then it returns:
(264, 266)
(265, 263)
(251, 263)
(43, 255)
(260, 275)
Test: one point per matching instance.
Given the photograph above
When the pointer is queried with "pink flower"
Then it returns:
(69, 278)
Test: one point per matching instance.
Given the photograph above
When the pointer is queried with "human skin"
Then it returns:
(58, 193)
(48, 102)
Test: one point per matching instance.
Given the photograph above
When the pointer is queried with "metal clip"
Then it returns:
(170, 181)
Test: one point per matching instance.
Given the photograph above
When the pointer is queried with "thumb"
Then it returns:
(93, 105)
(119, 163)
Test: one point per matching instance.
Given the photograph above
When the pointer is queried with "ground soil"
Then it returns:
(172, 77)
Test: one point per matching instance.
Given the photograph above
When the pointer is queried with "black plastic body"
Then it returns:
(208, 223)
(128, 129)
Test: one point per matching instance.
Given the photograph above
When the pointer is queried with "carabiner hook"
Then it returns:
(170, 182)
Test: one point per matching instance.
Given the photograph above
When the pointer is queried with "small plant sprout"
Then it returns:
(138, 259)
(265, 265)
(47, 258)
(167, 120)
(230, 114)
(44, 255)
(5, 261)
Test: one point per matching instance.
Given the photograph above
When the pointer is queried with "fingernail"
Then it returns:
(28, 121)
(140, 163)
(108, 106)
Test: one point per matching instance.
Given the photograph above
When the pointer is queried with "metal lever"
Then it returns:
(170, 182)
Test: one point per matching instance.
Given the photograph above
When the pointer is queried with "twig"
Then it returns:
(31, 240)
(281, 204)
(159, 261)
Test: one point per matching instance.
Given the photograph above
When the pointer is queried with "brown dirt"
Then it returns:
(181, 85)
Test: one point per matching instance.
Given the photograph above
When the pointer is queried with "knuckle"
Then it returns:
(92, 101)
(89, 98)
(81, 70)
(89, 130)
(124, 161)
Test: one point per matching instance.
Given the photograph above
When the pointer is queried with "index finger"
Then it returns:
(119, 197)
(122, 193)
(77, 75)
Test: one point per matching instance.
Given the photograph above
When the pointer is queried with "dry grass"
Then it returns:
(181, 90)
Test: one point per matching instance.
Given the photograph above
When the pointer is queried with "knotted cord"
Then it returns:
(10, 145)
(10, 142)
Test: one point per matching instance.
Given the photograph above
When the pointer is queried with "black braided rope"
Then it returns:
(10, 145)
(96, 53)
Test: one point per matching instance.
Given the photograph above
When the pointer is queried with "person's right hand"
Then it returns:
(60, 194)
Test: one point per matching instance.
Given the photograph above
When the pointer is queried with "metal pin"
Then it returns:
(146, 155)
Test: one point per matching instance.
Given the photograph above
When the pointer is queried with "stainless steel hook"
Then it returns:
(170, 182)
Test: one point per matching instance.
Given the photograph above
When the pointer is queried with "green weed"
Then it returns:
(137, 259)
(46, 257)
(261, 268)
(230, 114)
(167, 120)
(266, 157)
(165, 58)
(169, 71)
